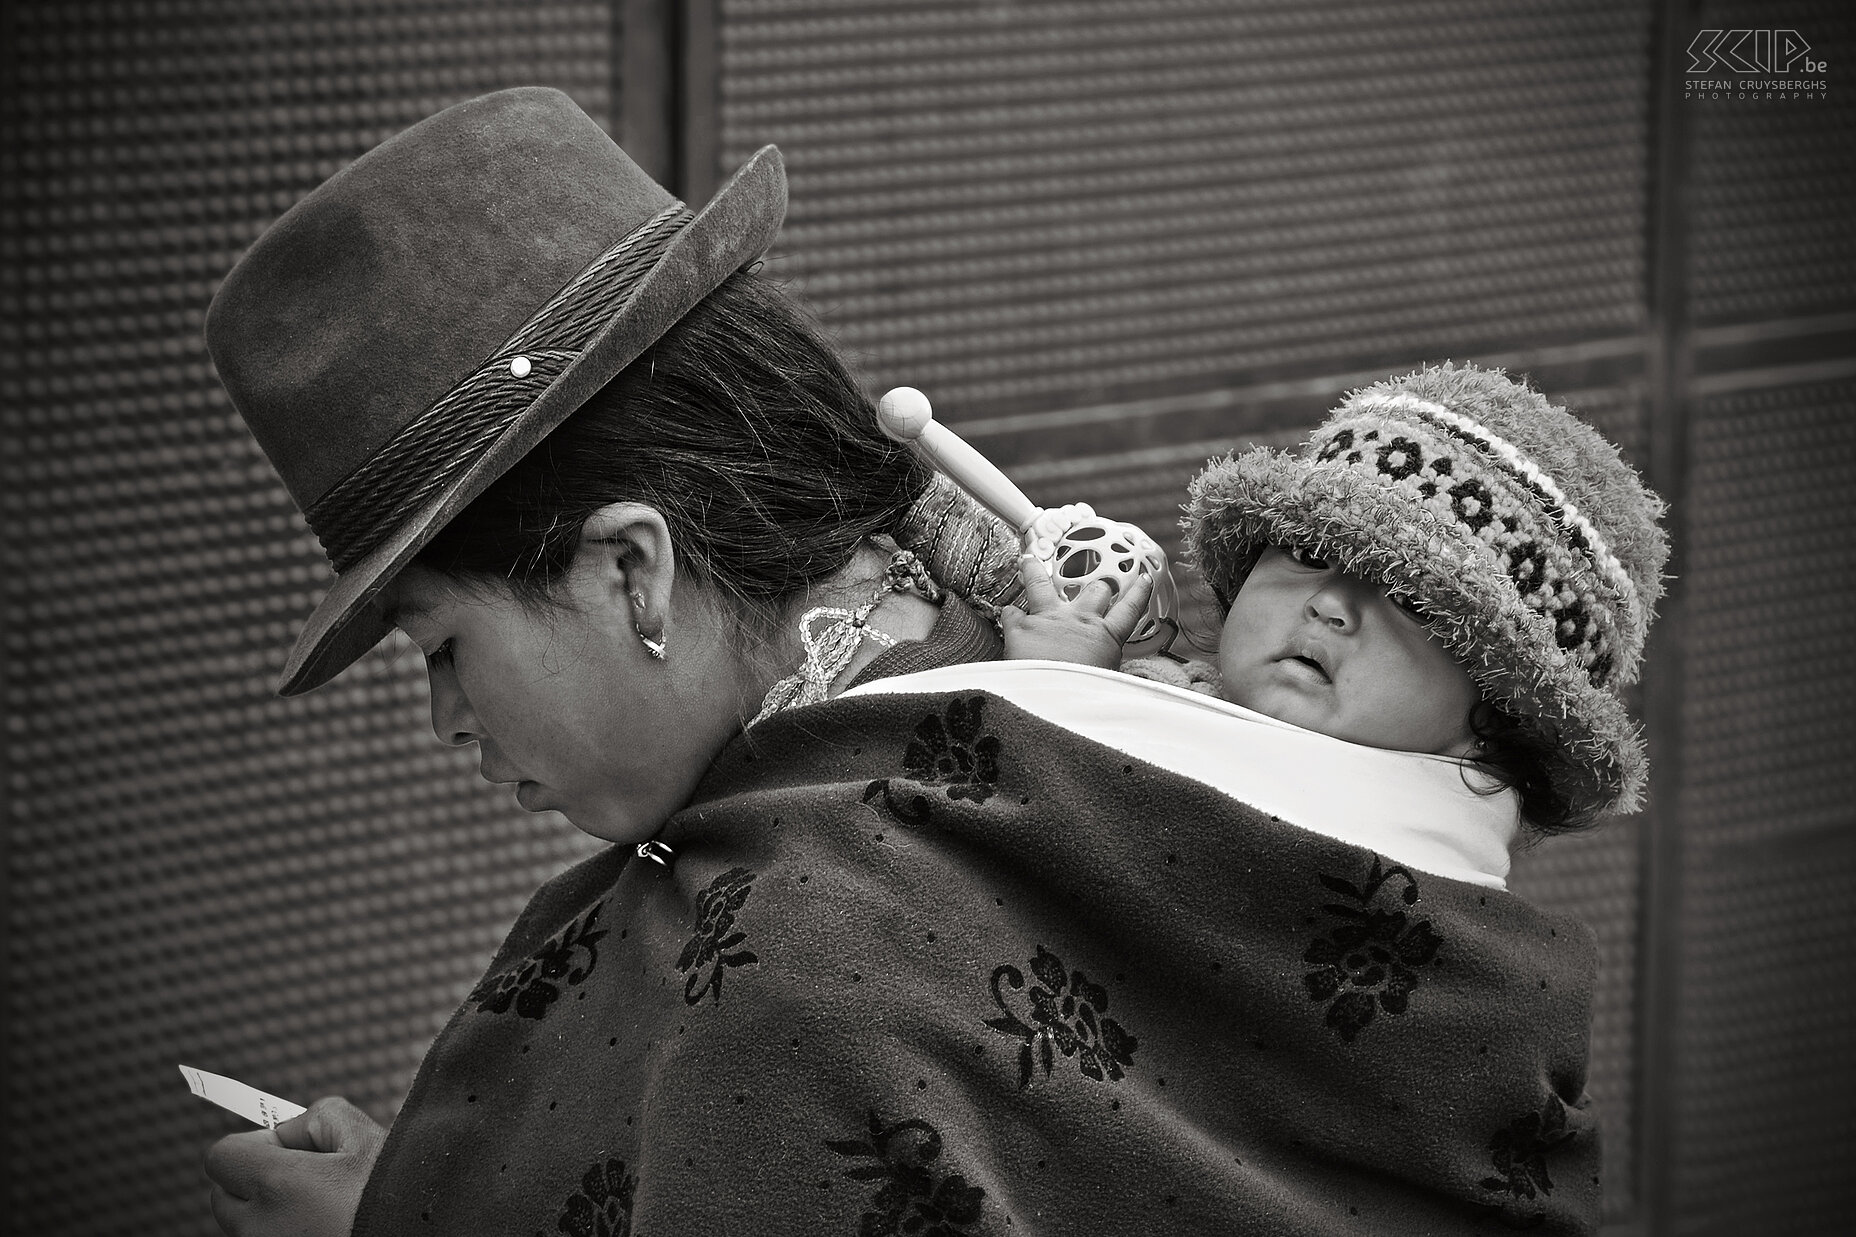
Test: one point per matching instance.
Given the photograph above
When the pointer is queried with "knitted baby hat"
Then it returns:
(1529, 546)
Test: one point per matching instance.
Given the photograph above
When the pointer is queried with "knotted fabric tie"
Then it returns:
(828, 652)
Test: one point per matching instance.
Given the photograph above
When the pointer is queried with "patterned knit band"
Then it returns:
(1471, 478)
(360, 512)
(1505, 455)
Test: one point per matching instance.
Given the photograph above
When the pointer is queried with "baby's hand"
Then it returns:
(1090, 629)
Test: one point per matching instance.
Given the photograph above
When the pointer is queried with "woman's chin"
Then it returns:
(620, 827)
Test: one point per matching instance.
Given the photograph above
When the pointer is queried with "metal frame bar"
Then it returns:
(664, 61)
(1671, 370)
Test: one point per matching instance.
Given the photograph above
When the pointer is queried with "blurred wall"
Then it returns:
(1110, 238)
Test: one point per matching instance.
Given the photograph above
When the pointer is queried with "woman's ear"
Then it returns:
(628, 562)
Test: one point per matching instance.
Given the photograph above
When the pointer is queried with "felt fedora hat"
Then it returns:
(419, 322)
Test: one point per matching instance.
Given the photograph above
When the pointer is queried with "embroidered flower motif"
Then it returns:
(1369, 960)
(948, 750)
(1067, 1015)
(716, 935)
(603, 1205)
(954, 752)
(1519, 1154)
(534, 984)
(911, 1199)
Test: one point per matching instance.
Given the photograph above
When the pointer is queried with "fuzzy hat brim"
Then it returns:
(1241, 505)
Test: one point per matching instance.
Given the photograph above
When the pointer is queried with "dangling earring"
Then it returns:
(654, 647)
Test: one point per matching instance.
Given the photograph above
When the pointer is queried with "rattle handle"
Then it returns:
(907, 418)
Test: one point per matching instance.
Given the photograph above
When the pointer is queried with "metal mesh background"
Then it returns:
(1059, 200)
(1111, 239)
(292, 892)
(1767, 1021)
(1772, 183)
(1763, 1128)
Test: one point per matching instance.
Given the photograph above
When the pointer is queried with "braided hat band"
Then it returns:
(1529, 546)
(364, 508)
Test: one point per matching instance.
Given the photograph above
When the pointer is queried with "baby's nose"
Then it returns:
(1334, 605)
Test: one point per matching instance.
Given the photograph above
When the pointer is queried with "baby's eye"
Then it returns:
(1306, 558)
(1406, 604)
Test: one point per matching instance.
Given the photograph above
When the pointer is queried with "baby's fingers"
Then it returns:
(1096, 597)
(1040, 592)
(1129, 608)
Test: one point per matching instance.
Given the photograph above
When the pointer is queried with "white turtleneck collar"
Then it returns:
(1415, 809)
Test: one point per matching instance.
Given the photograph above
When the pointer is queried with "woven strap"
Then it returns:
(359, 512)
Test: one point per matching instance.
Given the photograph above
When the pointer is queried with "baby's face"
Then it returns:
(1308, 645)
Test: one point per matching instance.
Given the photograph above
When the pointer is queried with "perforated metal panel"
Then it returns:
(1768, 1018)
(1769, 727)
(1030, 209)
(1773, 179)
(291, 892)
(1058, 200)
(1763, 1129)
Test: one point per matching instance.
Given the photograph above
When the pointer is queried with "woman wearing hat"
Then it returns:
(542, 421)
(857, 961)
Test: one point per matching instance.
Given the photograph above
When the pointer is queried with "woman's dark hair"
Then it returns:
(742, 426)
(1519, 758)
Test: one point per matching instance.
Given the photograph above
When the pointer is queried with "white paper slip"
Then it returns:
(258, 1107)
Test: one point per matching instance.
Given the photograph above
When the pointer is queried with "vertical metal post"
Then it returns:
(645, 103)
(699, 121)
(1659, 1003)
(665, 62)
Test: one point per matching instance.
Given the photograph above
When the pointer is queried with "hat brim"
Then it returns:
(1240, 505)
(735, 228)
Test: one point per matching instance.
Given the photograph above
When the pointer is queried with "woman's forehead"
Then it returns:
(413, 594)
(422, 595)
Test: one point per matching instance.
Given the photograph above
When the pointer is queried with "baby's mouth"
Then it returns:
(1312, 664)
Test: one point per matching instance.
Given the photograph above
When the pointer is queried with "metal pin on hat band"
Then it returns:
(657, 852)
(519, 367)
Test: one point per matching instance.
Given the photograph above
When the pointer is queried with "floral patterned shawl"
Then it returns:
(929, 965)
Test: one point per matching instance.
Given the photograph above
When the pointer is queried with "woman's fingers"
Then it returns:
(235, 1216)
(239, 1164)
(305, 1178)
(329, 1124)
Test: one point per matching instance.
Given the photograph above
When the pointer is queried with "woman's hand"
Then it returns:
(1089, 629)
(302, 1179)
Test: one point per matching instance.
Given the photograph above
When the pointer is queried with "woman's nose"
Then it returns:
(1335, 604)
(452, 719)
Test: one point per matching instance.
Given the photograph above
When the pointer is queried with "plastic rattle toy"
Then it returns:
(1075, 544)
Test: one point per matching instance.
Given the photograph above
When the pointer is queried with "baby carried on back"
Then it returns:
(1429, 614)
